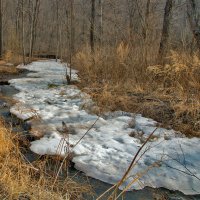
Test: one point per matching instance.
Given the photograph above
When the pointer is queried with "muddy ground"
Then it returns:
(8, 72)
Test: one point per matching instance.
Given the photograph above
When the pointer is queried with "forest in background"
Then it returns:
(51, 25)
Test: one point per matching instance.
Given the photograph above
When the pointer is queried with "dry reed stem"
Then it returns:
(33, 181)
(120, 80)
(116, 186)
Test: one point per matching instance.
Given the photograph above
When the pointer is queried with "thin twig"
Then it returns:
(134, 159)
(68, 153)
(32, 167)
(137, 178)
(86, 132)
(116, 186)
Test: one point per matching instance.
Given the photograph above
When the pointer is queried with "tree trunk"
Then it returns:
(101, 22)
(1, 30)
(17, 21)
(71, 41)
(193, 20)
(72, 24)
(145, 32)
(34, 19)
(131, 19)
(57, 29)
(23, 33)
(31, 33)
(166, 30)
(92, 26)
(146, 25)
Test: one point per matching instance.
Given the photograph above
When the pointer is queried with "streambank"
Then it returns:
(54, 102)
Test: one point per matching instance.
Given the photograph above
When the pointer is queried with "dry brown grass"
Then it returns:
(111, 65)
(119, 79)
(8, 69)
(21, 180)
(181, 81)
(12, 57)
(9, 63)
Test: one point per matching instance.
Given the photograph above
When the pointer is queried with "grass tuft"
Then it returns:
(168, 93)
(22, 180)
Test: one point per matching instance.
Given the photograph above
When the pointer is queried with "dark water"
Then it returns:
(98, 186)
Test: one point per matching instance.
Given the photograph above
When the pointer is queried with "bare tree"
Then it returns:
(144, 19)
(145, 31)
(92, 26)
(17, 23)
(23, 31)
(57, 29)
(34, 20)
(131, 5)
(1, 30)
(166, 30)
(194, 17)
(84, 22)
(101, 21)
(146, 25)
(105, 22)
(71, 40)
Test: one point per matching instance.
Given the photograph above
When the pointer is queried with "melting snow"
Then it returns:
(46, 101)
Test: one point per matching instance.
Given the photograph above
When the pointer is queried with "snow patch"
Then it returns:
(49, 104)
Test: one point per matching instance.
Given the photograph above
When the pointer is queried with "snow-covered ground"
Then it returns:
(46, 101)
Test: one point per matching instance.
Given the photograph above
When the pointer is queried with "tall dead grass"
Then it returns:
(121, 78)
(21, 180)
(13, 50)
(111, 64)
(12, 57)
(180, 79)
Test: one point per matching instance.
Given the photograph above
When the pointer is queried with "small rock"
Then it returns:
(133, 133)
(167, 137)
(132, 123)
(24, 197)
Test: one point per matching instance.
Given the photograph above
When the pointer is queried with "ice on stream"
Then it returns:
(45, 101)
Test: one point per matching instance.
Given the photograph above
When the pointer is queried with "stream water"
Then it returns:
(98, 186)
